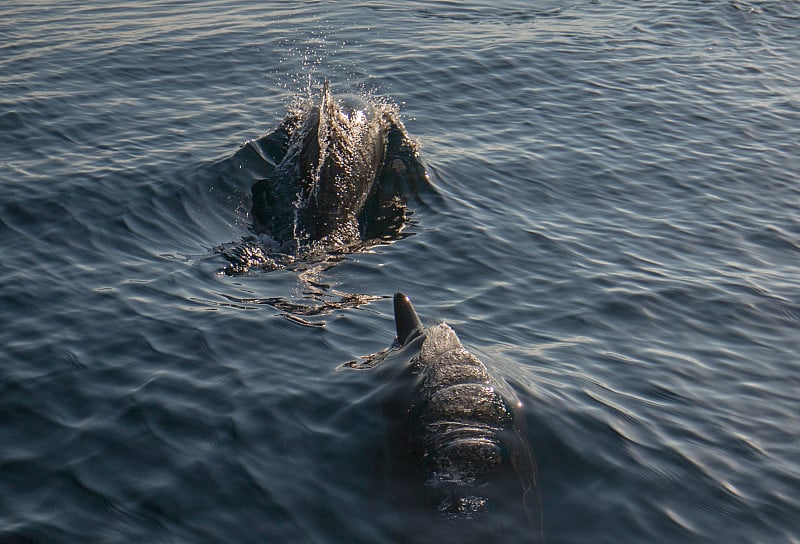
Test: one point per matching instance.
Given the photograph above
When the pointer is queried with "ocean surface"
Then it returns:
(612, 227)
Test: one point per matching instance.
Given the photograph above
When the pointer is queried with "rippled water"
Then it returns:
(613, 229)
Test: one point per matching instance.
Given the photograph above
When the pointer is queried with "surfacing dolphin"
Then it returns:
(333, 177)
(343, 168)
(463, 431)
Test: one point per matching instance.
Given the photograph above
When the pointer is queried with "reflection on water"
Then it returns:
(318, 298)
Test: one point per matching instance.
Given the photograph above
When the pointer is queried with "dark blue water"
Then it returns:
(613, 230)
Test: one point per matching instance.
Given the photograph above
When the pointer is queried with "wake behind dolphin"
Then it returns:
(336, 172)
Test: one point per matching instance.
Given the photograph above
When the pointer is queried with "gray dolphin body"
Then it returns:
(337, 171)
(466, 436)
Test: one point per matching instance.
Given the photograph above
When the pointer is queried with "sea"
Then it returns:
(612, 226)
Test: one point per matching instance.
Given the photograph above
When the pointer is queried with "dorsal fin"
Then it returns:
(326, 105)
(406, 319)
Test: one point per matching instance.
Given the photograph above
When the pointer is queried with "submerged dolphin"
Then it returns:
(466, 436)
(337, 171)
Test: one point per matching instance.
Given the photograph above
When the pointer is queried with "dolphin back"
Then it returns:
(467, 436)
(464, 425)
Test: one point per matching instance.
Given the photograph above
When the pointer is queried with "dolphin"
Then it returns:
(336, 171)
(468, 438)
(334, 176)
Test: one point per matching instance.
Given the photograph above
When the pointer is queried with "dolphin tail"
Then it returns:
(406, 319)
